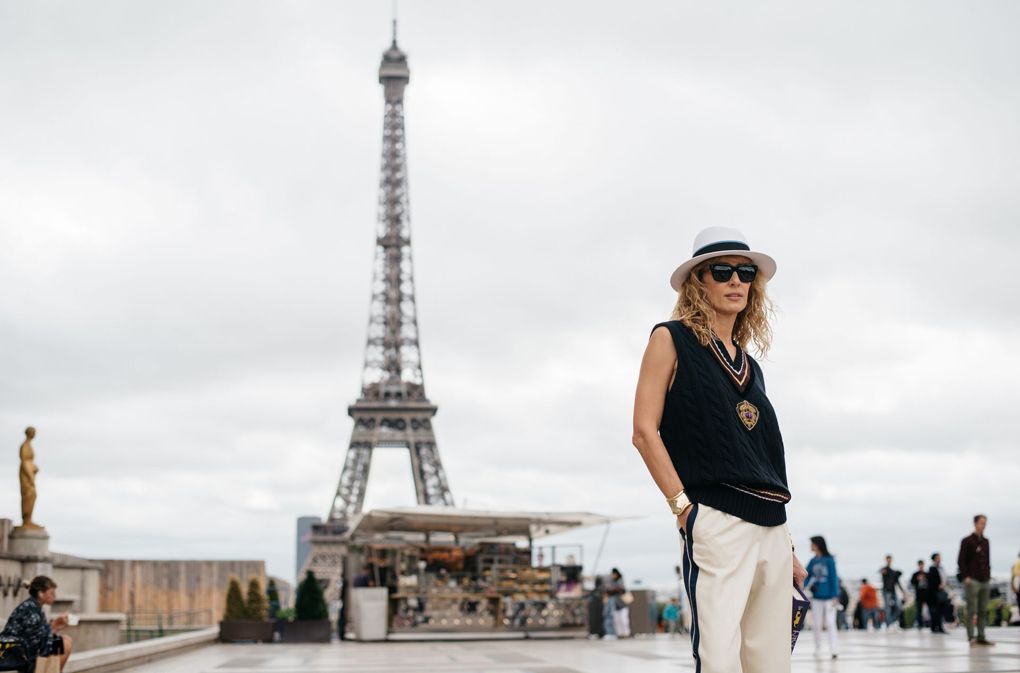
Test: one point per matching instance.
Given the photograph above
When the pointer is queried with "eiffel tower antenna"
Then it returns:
(394, 23)
(393, 410)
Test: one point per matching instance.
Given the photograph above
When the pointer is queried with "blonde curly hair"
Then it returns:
(752, 325)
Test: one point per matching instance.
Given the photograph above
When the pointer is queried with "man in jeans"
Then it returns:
(975, 571)
(890, 584)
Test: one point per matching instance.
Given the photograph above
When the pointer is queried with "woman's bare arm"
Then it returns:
(657, 370)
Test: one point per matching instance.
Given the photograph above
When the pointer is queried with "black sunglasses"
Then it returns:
(721, 273)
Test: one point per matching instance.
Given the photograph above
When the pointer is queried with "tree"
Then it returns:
(255, 606)
(310, 603)
(236, 608)
(273, 597)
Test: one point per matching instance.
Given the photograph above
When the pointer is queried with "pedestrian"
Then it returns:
(859, 616)
(890, 598)
(823, 581)
(681, 590)
(596, 623)
(919, 580)
(868, 600)
(613, 588)
(655, 616)
(1014, 580)
(365, 577)
(711, 441)
(40, 636)
(341, 615)
(938, 593)
(671, 615)
(976, 572)
(844, 604)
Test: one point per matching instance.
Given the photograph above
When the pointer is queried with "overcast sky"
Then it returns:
(187, 209)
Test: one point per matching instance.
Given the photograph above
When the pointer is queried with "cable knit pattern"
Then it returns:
(721, 463)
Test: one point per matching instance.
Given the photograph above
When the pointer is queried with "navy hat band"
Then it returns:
(722, 245)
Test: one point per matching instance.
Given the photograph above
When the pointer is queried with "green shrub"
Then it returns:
(236, 608)
(310, 603)
(255, 606)
(286, 614)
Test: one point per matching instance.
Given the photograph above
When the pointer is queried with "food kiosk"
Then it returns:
(448, 569)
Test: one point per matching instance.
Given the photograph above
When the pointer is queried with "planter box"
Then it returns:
(306, 631)
(246, 630)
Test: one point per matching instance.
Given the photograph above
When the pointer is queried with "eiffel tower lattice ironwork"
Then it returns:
(393, 411)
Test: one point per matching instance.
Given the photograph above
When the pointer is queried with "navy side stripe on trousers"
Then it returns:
(691, 583)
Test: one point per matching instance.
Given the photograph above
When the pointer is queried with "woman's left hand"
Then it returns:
(799, 574)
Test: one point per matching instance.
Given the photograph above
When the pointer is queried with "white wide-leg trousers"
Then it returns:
(739, 579)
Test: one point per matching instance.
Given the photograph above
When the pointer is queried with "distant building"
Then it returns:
(304, 546)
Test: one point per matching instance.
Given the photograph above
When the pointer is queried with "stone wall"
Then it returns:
(77, 583)
(10, 592)
(196, 589)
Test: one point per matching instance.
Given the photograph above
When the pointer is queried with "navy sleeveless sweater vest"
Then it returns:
(722, 434)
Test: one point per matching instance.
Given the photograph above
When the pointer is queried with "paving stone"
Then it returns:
(912, 651)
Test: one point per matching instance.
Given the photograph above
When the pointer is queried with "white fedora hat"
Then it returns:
(717, 242)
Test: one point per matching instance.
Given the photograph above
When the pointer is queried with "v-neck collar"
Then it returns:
(738, 368)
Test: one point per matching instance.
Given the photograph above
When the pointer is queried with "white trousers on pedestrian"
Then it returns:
(739, 579)
(824, 612)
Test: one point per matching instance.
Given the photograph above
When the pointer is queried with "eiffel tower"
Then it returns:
(393, 410)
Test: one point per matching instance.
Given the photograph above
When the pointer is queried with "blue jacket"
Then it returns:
(822, 578)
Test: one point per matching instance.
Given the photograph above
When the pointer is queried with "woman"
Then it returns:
(710, 440)
(824, 585)
(28, 622)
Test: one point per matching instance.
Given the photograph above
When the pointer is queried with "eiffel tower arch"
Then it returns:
(392, 410)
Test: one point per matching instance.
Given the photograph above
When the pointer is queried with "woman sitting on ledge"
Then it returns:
(28, 622)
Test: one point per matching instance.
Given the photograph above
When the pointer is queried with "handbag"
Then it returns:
(621, 622)
(627, 598)
(13, 656)
(801, 605)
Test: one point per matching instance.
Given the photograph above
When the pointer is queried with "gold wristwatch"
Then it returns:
(679, 503)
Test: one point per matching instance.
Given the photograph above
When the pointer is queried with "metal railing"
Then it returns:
(146, 624)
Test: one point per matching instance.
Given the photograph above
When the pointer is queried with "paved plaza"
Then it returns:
(896, 651)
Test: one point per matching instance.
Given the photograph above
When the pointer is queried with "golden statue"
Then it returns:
(28, 471)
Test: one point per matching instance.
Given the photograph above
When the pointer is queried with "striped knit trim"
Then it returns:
(763, 494)
(739, 375)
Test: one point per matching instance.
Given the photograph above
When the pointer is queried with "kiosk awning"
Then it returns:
(469, 523)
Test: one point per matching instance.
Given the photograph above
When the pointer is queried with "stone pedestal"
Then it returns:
(29, 542)
(31, 546)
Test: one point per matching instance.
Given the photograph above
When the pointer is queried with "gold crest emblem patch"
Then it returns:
(748, 414)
